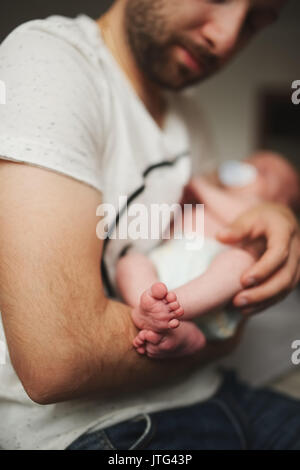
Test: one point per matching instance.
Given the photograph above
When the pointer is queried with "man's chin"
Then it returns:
(177, 78)
(183, 84)
(185, 78)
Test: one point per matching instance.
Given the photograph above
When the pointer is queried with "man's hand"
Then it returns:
(277, 272)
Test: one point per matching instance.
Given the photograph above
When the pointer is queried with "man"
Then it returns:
(95, 104)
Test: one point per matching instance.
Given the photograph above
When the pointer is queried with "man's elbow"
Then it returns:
(44, 389)
(48, 383)
(41, 393)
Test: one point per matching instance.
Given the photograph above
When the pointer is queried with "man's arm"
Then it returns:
(66, 339)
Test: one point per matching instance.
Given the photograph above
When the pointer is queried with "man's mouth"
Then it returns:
(189, 59)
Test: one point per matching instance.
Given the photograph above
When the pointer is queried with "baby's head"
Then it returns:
(278, 180)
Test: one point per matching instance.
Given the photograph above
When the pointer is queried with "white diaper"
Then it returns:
(180, 261)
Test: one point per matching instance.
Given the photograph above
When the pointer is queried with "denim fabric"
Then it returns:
(237, 417)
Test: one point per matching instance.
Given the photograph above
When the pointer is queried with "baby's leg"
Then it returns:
(217, 286)
(214, 289)
(222, 280)
(154, 307)
(156, 311)
(134, 274)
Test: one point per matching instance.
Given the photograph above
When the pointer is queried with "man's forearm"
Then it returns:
(104, 362)
(65, 339)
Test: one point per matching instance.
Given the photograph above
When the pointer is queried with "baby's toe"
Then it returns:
(141, 351)
(141, 337)
(147, 301)
(159, 290)
(152, 337)
(174, 323)
(171, 297)
(137, 342)
(152, 350)
(174, 305)
(179, 312)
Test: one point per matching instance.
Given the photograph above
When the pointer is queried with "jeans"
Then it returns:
(237, 417)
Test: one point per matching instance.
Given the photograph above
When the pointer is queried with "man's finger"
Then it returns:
(276, 255)
(233, 236)
(282, 282)
(261, 307)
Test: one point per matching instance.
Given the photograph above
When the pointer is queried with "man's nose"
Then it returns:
(222, 32)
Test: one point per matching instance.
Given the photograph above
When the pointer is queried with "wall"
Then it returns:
(230, 100)
(15, 12)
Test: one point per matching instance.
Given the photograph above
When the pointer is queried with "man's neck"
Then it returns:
(115, 38)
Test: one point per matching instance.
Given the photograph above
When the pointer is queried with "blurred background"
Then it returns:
(247, 106)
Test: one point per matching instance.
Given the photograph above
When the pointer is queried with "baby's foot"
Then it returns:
(184, 341)
(144, 336)
(158, 311)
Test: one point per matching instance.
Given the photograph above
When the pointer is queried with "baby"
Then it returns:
(181, 291)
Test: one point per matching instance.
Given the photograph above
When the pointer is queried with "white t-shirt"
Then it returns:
(70, 109)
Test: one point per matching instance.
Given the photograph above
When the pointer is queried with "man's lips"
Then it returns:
(188, 59)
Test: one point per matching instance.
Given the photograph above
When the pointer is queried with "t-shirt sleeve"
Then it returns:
(53, 115)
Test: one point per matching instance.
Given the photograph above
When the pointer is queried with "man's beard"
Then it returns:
(152, 46)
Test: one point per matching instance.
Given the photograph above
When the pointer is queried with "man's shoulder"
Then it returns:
(61, 31)
(57, 110)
